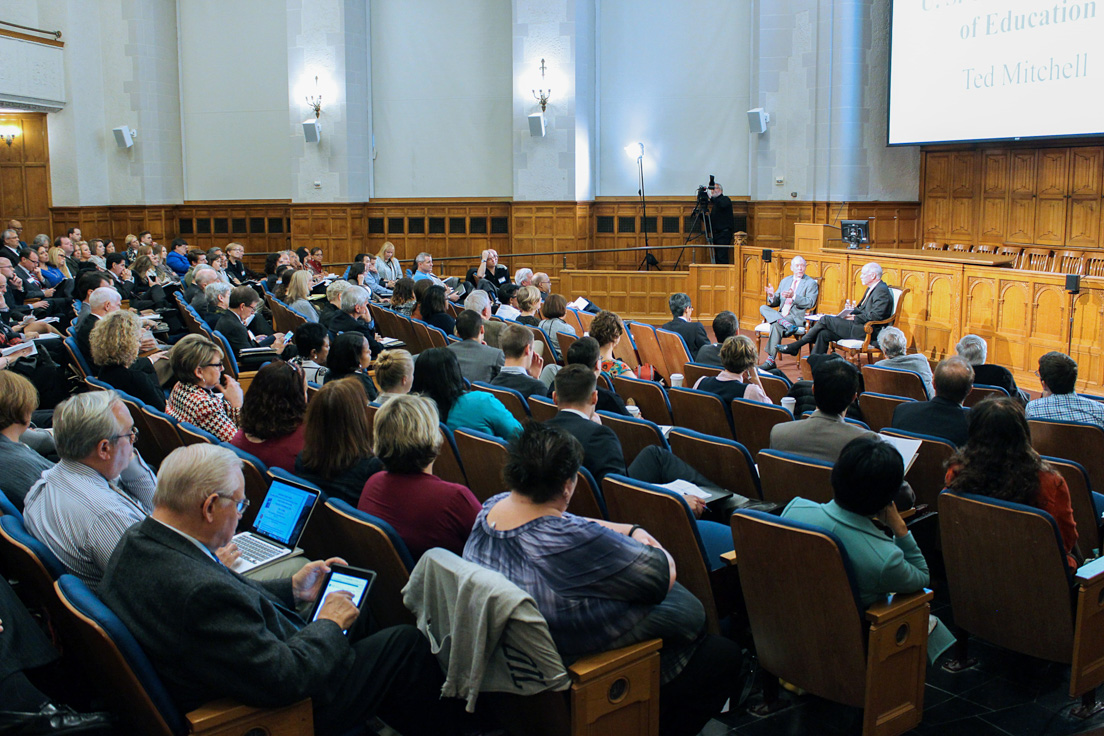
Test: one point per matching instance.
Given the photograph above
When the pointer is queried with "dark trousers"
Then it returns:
(722, 247)
(832, 328)
(658, 466)
(23, 646)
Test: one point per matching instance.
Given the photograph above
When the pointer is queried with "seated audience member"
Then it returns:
(1058, 376)
(875, 305)
(332, 306)
(478, 361)
(402, 297)
(55, 270)
(943, 416)
(785, 309)
(893, 343)
(165, 274)
(692, 332)
(437, 375)
(489, 270)
(478, 301)
(523, 277)
(584, 352)
(86, 283)
(388, 266)
(433, 311)
(355, 317)
(426, 511)
(724, 327)
(608, 330)
(312, 343)
(194, 293)
(101, 302)
(177, 259)
(423, 271)
(314, 261)
(373, 282)
(216, 299)
(622, 585)
(865, 480)
(337, 455)
(974, 350)
(272, 415)
(235, 266)
(740, 377)
(395, 373)
(522, 366)
(266, 655)
(196, 259)
(508, 302)
(283, 279)
(554, 309)
(244, 304)
(298, 291)
(529, 304)
(420, 288)
(543, 284)
(22, 465)
(116, 339)
(999, 461)
(204, 395)
(350, 356)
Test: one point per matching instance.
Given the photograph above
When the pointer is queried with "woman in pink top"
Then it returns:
(426, 511)
(272, 415)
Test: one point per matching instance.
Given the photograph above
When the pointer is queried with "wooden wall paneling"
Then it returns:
(542, 227)
(993, 217)
(713, 289)
(1088, 322)
(1083, 224)
(635, 295)
(1021, 196)
(25, 175)
(765, 225)
(1051, 187)
(753, 275)
(793, 213)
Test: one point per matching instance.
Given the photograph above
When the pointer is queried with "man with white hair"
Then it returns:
(875, 305)
(785, 308)
(101, 302)
(543, 283)
(216, 302)
(195, 293)
(355, 317)
(974, 350)
(523, 277)
(479, 301)
(893, 343)
(332, 306)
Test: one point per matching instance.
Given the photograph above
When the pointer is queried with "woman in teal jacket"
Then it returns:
(437, 375)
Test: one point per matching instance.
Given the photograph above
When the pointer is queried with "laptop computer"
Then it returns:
(278, 526)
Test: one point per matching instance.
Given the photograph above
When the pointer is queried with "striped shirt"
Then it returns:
(81, 517)
(1067, 408)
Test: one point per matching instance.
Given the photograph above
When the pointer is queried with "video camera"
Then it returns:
(703, 196)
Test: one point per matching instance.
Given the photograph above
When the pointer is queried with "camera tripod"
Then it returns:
(699, 218)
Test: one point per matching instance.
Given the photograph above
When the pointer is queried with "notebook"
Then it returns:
(279, 525)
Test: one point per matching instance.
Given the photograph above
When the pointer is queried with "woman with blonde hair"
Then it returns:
(22, 465)
(394, 374)
(115, 343)
(55, 270)
(608, 330)
(336, 454)
(529, 302)
(740, 377)
(204, 395)
(388, 266)
(299, 288)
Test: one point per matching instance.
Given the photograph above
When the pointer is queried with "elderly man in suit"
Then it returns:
(480, 301)
(171, 592)
(785, 308)
(478, 361)
(692, 332)
(974, 349)
(893, 343)
(875, 305)
(943, 416)
(234, 326)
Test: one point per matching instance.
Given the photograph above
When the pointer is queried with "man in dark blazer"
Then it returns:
(943, 416)
(355, 317)
(692, 332)
(585, 352)
(243, 305)
(975, 350)
(724, 327)
(172, 593)
(876, 305)
(522, 365)
(478, 361)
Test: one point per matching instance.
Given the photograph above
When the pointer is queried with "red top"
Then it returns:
(277, 453)
(1054, 498)
(426, 511)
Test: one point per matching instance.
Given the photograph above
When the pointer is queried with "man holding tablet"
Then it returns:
(212, 633)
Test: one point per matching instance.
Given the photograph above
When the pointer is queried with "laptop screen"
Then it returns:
(284, 512)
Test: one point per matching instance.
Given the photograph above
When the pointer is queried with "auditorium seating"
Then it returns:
(448, 466)
(894, 382)
(510, 398)
(877, 409)
(754, 421)
(192, 435)
(701, 411)
(32, 563)
(982, 391)
(930, 467)
(1077, 441)
(675, 352)
(649, 397)
(256, 484)
(587, 500)
(694, 372)
(1081, 501)
(483, 457)
(725, 462)
(634, 434)
(785, 475)
(647, 347)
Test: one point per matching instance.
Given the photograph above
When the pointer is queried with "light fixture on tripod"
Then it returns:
(636, 150)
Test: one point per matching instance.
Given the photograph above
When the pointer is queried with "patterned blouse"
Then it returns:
(205, 409)
(615, 367)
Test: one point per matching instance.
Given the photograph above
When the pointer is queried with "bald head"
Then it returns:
(953, 379)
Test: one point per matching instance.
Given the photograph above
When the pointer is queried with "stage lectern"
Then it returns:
(814, 237)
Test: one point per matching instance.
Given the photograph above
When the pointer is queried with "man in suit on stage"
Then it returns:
(944, 415)
(785, 308)
(876, 305)
(692, 332)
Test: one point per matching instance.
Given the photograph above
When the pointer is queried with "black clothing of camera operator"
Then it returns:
(723, 222)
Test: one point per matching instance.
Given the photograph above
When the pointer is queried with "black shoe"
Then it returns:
(792, 349)
(54, 719)
(768, 364)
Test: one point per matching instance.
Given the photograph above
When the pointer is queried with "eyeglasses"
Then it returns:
(241, 505)
(132, 434)
(213, 365)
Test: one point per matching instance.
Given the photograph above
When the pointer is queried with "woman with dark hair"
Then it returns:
(351, 356)
(999, 461)
(402, 297)
(740, 377)
(433, 310)
(312, 343)
(437, 376)
(554, 309)
(426, 511)
(283, 280)
(600, 585)
(355, 274)
(272, 415)
(336, 455)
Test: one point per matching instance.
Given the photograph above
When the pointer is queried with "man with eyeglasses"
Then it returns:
(234, 325)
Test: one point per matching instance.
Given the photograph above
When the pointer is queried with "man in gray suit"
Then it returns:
(478, 361)
(785, 309)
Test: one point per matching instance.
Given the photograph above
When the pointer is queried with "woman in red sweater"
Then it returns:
(272, 415)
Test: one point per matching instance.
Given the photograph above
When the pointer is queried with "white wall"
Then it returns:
(234, 89)
(675, 76)
(442, 98)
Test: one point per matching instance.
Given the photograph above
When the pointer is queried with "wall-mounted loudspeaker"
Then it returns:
(536, 125)
(767, 253)
(757, 120)
(124, 136)
(1073, 283)
(312, 130)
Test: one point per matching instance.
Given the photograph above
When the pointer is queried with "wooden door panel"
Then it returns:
(994, 175)
(1022, 175)
(1084, 223)
(1086, 165)
(994, 220)
(1050, 221)
(1021, 221)
(1053, 173)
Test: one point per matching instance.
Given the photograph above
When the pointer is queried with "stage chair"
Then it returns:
(930, 467)
(587, 500)
(510, 398)
(894, 382)
(1035, 259)
(1081, 501)
(634, 434)
(695, 545)
(725, 462)
(694, 372)
(762, 330)
(193, 435)
(542, 407)
(960, 248)
(256, 483)
(1010, 250)
(1068, 261)
(483, 457)
(648, 348)
(1017, 596)
(785, 475)
(755, 422)
(982, 391)
(799, 589)
(878, 408)
(701, 411)
(448, 466)
(854, 349)
(1094, 263)
(934, 246)
(983, 248)
(675, 351)
(133, 690)
(649, 397)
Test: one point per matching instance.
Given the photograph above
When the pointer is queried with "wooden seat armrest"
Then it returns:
(897, 606)
(596, 665)
(220, 716)
(1091, 573)
(729, 558)
(869, 326)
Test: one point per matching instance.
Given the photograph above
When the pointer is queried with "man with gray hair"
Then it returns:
(9, 245)
(332, 306)
(194, 293)
(101, 302)
(974, 350)
(943, 416)
(524, 277)
(785, 309)
(423, 269)
(692, 332)
(355, 317)
(480, 301)
(876, 305)
(893, 343)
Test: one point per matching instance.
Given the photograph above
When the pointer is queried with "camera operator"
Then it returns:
(723, 223)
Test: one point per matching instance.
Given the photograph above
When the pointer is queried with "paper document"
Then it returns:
(49, 320)
(666, 429)
(579, 303)
(21, 346)
(390, 341)
(907, 447)
(686, 488)
(49, 336)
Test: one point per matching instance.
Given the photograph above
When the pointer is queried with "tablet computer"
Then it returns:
(355, 580)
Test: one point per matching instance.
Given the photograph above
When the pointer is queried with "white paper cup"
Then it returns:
(676, 379)
(790, 403)
(634, 410)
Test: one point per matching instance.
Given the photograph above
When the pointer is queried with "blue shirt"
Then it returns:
(1067, 408)
(482, 411)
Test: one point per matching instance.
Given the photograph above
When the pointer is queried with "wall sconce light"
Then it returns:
(9, 133)
(315, 101)
(542, 97)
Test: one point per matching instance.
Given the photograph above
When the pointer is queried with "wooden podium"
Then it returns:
(813, 237)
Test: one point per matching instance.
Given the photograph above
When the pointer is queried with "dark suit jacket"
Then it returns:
(602, 453)
(478, 362)
(998, 375)
(343, 322)
(237, 334)
(83, 336)
(938, 417)
(877, 306)
(692, 332)
(32, 292)
(525, 384)
(178, 601)
(136, 382)
(607, 400)
(709, 354)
